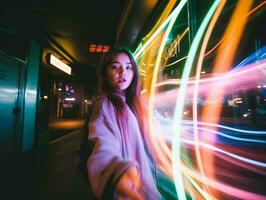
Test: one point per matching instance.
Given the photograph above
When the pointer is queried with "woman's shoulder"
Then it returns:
(102, 100)
(102, 104)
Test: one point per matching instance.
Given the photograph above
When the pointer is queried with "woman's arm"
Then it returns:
(105, 164)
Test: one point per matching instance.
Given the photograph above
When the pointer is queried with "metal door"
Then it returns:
(9, 80)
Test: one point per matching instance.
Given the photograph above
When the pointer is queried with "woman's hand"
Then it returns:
(128, 185)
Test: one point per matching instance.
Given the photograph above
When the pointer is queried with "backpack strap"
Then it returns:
(85, 147)
(87, 118)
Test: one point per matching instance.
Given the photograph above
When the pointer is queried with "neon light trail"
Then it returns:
(206, 99)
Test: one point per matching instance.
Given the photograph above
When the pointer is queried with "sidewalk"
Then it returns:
(46, 174)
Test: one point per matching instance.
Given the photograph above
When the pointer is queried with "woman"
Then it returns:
(118, 166)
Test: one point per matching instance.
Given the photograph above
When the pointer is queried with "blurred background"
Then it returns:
(36, 34)
(203, 73)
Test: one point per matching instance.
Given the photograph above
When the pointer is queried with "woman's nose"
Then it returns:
(123, 72)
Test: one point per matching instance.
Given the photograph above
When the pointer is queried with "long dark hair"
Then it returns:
(133, 98)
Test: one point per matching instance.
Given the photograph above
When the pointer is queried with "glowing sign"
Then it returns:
(70, 99)
(94, 48)
(59, 64)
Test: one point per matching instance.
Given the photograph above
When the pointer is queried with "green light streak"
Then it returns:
(176, 127)
(198, 188)
(139, 51)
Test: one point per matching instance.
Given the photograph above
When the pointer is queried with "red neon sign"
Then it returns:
(94, 48)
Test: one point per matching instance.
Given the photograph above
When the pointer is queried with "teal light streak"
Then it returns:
(139, 51)
(233, 137)
(168, 121)
(176, 127)
(228, 128)
(176, 157)
(213, 148)
(197, 187)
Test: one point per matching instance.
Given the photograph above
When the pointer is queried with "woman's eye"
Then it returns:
(114, 67)
(129, 67)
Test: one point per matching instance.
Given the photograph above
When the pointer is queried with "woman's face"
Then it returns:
(120, 72)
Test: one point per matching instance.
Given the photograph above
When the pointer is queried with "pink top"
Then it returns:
(115, 150)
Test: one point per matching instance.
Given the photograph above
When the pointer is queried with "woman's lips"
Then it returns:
(122, 80)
